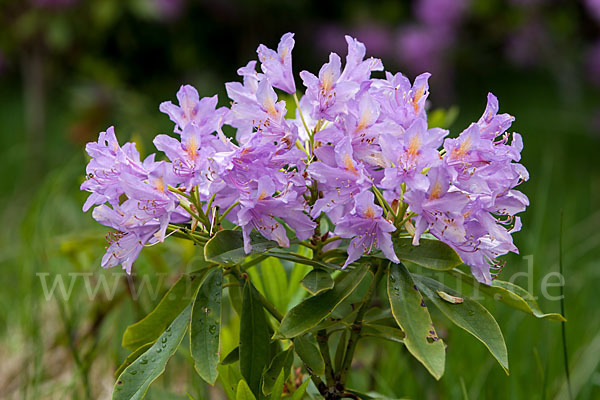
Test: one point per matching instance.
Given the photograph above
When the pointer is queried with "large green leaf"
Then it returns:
(227, 247)
(307, 350)
(509, 294)
(134, 381)
(311, 311)
(281, 363)
(255, 338)
(411, 314)
(206, 326)
(469, 315)
(430, 253)
(132, 357)
(275, 282)
(244, 392)
(171, 305)
(317, 281)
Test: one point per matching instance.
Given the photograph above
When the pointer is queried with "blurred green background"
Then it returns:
(71, 68)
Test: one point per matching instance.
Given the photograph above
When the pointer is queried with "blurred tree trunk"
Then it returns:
(34, 89)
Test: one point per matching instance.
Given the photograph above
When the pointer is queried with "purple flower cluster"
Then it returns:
(358, 151)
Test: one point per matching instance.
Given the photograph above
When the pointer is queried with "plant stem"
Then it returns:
(384, 204)
(356, 329)
(263, 300)
(210, 201)
(331, 239)
(321, 386)
(203, 219)
(301, 115)
(307, 245)
(562, 308)
(253, 262)
(185, 233)
(322, 340)
(179, 192)
(227, 211)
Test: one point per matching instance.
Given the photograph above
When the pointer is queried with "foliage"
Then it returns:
(270, 336)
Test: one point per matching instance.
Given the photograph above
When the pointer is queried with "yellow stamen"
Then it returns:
(414, 145)
(159, 185)
(327, 83)
(270, 107)
(417, 97)
(191, 148)
(462, 149)
(436, 192)
(349, 164)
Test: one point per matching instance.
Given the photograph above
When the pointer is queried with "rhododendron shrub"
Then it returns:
(347, 183)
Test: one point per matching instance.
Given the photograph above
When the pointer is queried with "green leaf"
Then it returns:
(171, 305)
(340, 350)
(378, 316)
(227, 247)
(345, 312)
(430, 253)
(134, 381)
(244, 392)
(350, 303)
(275, 282)
(469, 315)
(317, 281)
(132, 357)
(278, 387)
(299, 393)
(311, 311)
(255, 339)
(278, 364)
(441, 118)
(509, 294)
(235, 293)
(206, 326)
(232, 357)
(229, 376)
(411, 314)
(295, 291)
(307, 350)
(392, 334)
